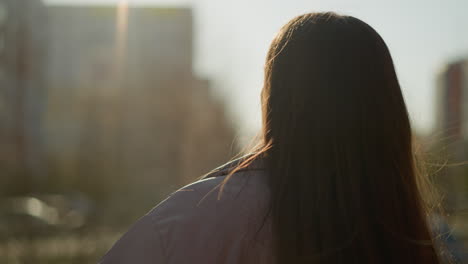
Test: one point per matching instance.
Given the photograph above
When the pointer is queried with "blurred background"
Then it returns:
(106, 107)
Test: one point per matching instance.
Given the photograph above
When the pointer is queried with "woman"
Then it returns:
(333, 179)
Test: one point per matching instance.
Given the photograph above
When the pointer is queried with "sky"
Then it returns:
(232, 38)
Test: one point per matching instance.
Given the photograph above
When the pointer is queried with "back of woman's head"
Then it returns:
(337, 140)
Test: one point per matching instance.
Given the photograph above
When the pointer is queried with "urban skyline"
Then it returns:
(231, 39)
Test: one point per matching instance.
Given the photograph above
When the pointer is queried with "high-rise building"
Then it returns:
(125, 103)
(452, 127)
(452, 97)
(110, 53)
(23, 39)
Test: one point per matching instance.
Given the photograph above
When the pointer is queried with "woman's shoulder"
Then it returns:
(209, 198)
(202, 220)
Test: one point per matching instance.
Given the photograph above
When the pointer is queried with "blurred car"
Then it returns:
(43, 214)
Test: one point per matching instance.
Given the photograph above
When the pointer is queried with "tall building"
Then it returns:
(110, 53)
(23, 41)
(452, 126)
(452, 96)
(124, 103)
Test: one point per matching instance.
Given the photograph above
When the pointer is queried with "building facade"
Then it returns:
(126, 112)
(452, 128)
(23, 42)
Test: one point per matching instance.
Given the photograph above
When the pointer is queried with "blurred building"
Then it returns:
(108, 52)
(23, 44)
(452, 126)
(126, 112)
(452, 105)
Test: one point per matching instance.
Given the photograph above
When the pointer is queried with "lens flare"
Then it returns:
(121, 38)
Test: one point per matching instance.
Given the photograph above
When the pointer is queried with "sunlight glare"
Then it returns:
(121, 38)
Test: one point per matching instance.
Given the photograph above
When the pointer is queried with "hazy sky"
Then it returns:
(232, 38)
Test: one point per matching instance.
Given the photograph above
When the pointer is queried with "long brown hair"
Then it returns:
(337, 143)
